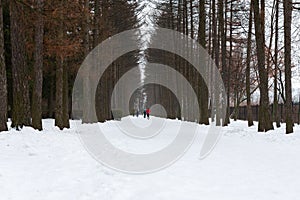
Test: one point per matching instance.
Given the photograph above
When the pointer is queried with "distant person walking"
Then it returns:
(148, 113)
(137, 113)
(145, 113)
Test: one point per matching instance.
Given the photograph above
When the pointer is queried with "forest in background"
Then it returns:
(43, 43)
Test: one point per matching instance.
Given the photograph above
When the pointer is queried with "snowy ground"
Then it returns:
(244, 165)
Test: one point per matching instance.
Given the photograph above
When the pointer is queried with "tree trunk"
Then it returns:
(38, 70)
(203, 89)
(230, 62)
(96, 31)
(3, 80)
(262, 13)
(275, 103)
(249, 47)
(21, 103)
(66, 122)
(185, 18)
(59, 103)
(226, 71)
(61, 111)
(217, 59)
(236, 104)
(287, 6)
(215, 56)
(86, 22)
(86, 43)
(265, 123)
(192, 18)
(222, 21)
(51, 99)
(59, 94)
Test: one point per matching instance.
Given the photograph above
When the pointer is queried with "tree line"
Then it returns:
(246, 45)
(43, 43)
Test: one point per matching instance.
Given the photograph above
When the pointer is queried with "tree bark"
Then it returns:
(51, 99)
(96, 32)
(3, 79)
(217, 60)
(59, 103)
(222, 22)
(59, 94)
(21, 103)
(192, 18)
(62, 102)
(227, 74)
(203, 89)
(287, 6)
(230, 61)
(86, 22)
(249, 47)
(265, 123)
(38, 69)
(215, 56)
(275, 103)
(66, 122)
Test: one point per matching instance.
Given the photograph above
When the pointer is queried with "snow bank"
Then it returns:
(53, 164)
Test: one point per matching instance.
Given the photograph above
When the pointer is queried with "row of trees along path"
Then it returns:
(43, 43)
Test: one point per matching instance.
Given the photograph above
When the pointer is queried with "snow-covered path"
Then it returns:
(244, 165)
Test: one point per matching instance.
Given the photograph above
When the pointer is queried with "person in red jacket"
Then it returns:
(148, 113)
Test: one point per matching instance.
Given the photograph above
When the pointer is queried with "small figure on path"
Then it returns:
(148, 113)
(145, 113)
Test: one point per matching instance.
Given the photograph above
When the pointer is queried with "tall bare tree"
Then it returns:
(265, 123)
(222, 31)
(3, 80)
(203, 87)
(287, 6)
(38, 68)
(215, 56)
(249, 47)
(59, 117)
(275, 102)
(21, 103)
